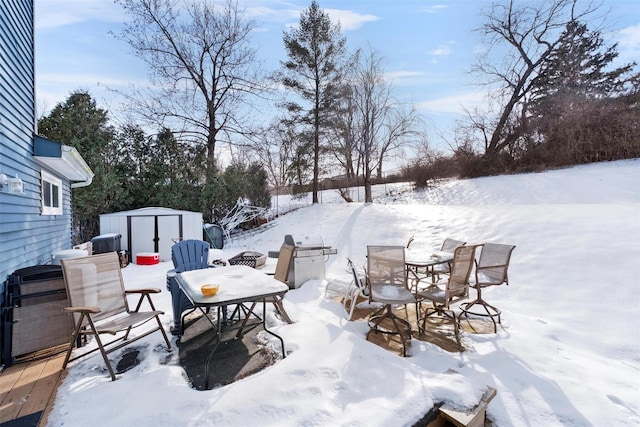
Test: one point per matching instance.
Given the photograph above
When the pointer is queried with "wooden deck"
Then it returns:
(439, 331)
(28, 389)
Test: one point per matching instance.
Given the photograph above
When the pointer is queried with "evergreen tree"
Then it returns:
(314, 71)
(576, 96)
(247, 182)
(78, 122)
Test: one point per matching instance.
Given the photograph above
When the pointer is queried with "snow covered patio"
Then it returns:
(563, 356)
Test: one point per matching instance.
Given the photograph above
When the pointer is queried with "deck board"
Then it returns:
(44, 387)
(30, 387)
(22, 389)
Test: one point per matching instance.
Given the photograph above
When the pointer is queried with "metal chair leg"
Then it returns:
(490, 311)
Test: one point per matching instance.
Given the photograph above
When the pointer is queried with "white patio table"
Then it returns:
(239, 284)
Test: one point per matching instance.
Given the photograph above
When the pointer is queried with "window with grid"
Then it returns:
(51, 194)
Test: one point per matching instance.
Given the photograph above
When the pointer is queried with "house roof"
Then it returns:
(62, 159)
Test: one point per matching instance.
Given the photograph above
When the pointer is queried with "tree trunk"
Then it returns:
(368, 198)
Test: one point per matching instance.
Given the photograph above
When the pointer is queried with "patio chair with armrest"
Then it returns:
(349, 292)
(456, 289)
(282, 274)
(448, 245)
(491, 270)
(187, 255)
(99, 306)
(387, 284)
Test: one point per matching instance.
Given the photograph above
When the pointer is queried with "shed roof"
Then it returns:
(152, 211)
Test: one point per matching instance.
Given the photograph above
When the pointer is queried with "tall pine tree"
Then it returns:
(314, 71)
(576, 96)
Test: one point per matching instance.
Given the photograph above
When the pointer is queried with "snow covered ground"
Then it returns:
(567, 352)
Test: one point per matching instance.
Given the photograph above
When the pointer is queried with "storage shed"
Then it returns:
(152, 229)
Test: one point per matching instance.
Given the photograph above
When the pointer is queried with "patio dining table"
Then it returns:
(240, 285)
(420, 264)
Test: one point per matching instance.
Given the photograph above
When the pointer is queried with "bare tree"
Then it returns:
(401, 126)
(277, 149)
(345, 145)
(381, 125)
(204, 68)
(529, 31)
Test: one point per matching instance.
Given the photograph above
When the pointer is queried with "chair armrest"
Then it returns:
(483, 267)
(483, 279)
(143, 291)
(87, 309)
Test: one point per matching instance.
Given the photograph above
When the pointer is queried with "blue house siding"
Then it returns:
(26, 236)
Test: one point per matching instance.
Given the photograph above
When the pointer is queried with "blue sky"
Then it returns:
(428, 47)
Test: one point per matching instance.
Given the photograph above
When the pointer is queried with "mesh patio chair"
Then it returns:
(99, 306)
(491, 270)
(410, 241)
(448, 245)
(282, 274)
(349, 292)
(456, 289)
(387, 284)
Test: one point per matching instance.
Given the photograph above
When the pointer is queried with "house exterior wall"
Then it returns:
(26, 237)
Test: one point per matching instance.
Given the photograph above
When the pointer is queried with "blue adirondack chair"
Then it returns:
(186, 255)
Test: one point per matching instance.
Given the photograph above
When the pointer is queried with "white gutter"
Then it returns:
(71, 156)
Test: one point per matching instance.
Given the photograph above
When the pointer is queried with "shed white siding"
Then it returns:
(152, 229)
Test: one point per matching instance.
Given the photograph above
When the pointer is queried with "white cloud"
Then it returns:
(402, 74)
(350, 20)
(454, 104)
(273, 14)
(57, 13)
(630, 37)
(434, 9)
(629, 43)
(443, 50)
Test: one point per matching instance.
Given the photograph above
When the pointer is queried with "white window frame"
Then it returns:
(53, 206)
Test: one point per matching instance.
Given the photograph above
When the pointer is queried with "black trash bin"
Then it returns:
(106, 243)
(214, 235)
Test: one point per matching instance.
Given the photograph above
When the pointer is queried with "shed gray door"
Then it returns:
(168, 234)
(143, 231)
(154, 233)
